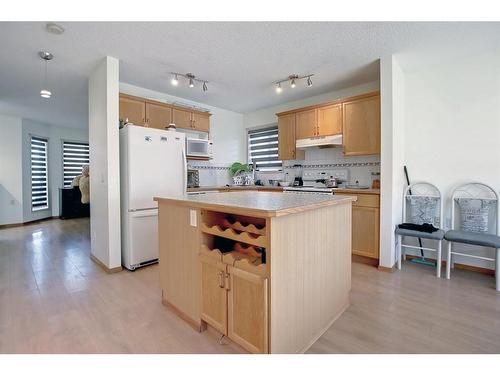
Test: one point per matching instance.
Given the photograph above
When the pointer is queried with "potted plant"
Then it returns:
(241, 174)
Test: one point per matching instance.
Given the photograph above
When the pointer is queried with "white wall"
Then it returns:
(105, 163)
(392, 151)
(268, 115)
(226, 127)
(56, 135)
(452, 126)
(11, 188)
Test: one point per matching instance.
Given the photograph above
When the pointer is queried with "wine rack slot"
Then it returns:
(232, 234)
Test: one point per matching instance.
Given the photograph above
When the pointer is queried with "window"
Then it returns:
(263, 148)
(75, 156)
(39, 174)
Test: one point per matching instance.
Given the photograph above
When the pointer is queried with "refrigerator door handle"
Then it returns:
(184, 168)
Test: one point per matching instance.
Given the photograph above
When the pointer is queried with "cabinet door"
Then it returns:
(201, 122)
(365, 231)
(157, 115)
(330, 120)
(133, 109)
(286, 137)
(361, 134)
(213, 294)
(182, 118)
(248, 310)
(306, 124)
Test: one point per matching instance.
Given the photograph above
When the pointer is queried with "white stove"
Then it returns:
(314, 181)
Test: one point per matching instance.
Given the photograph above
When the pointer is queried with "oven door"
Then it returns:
(197, 147)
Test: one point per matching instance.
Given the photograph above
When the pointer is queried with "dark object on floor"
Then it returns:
(425, 227)
(70, 204)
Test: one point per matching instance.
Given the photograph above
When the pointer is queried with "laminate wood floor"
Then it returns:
(54, 299)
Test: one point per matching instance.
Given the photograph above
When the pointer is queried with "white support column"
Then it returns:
(105, 163)
(392, 156)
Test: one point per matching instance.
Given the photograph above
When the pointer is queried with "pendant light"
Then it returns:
(46, 56)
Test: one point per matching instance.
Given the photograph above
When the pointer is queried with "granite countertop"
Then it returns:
(259, 203)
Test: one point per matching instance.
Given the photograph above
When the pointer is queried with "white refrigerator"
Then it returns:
(152, 163)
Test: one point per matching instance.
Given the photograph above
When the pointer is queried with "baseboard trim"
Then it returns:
(386, 269)
(460, 266)
(198, 326)
(32, 222)
(104, 267)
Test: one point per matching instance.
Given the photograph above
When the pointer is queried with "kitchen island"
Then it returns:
(270, 271)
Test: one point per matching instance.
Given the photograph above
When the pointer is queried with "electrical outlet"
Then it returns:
(192, 218)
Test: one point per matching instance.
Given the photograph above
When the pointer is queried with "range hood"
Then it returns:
(325, 141)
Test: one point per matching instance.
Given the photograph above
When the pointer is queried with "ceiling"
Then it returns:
(239, 59)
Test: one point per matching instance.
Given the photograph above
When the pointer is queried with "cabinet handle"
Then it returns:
(221, 279)
(228, 287)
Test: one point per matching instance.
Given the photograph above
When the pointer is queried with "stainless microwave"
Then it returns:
(199, 148)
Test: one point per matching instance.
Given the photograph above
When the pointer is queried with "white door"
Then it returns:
(156, 166)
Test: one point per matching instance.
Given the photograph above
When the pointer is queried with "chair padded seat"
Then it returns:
(437, 235)
(472, 238)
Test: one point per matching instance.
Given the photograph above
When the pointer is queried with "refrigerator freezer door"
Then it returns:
(156, 166)
(140, 239)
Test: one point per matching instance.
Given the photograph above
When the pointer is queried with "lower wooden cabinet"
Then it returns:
(365, 231)
(365, 225)
(247, 310)
(213, 294)
(234, 302)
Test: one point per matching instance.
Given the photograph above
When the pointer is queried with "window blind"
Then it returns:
(263, 148)
(39, 174)
(75, 156)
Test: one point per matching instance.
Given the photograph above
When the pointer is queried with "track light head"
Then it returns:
(45, 94)
(278, 88)
(205, 88)
(292, 84)
(175, 80)
(309, 82)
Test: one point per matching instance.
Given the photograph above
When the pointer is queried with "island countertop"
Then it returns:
(260, 203)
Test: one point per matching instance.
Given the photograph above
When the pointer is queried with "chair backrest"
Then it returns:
(422, 203)
(478, 208)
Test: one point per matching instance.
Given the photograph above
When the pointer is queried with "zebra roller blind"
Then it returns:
(39, 174)
(75, 156)
(263, 148)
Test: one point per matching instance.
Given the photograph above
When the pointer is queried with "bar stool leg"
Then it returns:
(497, 270)
(438, 259)
(448, 261)
(399, 252)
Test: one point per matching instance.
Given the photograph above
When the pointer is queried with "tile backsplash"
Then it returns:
(359, 167)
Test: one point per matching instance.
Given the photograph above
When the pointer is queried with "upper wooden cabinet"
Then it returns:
(286, 138)
(182, 118)
(330, 120)
(361, 119)
(356, 118)
(306, 124)
(133, 109)
(187, 119)
(158, 115)
(201, 121)
(145, 112)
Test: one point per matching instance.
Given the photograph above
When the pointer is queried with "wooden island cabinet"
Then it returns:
(226, 261)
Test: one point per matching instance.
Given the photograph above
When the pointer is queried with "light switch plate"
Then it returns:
(192, 218)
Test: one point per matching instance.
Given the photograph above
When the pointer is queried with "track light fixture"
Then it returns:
(191, 78)
(46, 56)
(293, 78)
